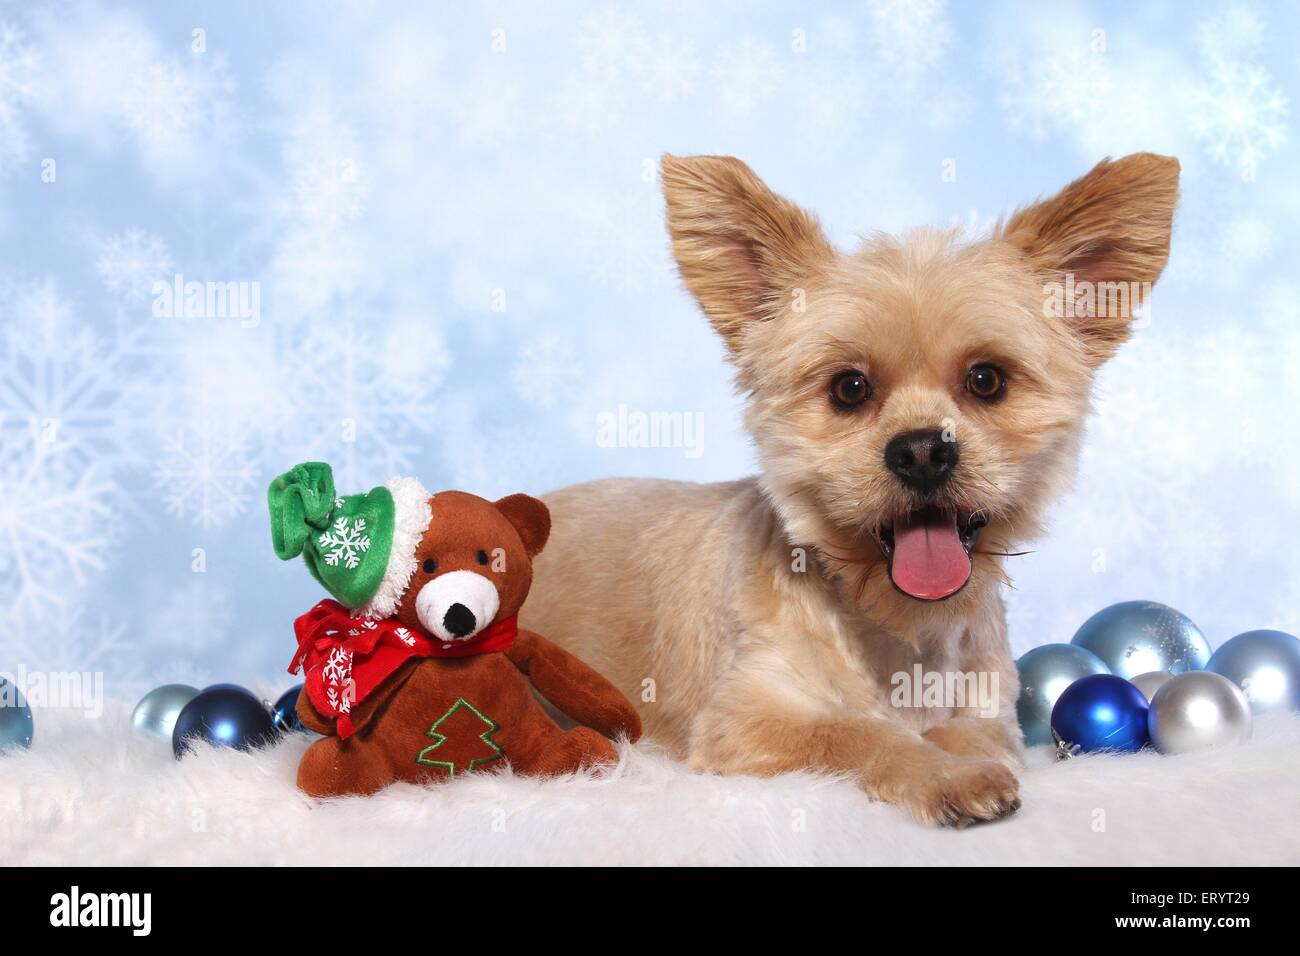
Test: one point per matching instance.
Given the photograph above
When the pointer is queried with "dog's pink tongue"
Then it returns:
(929, 561)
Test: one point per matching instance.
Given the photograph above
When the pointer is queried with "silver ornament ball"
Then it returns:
(1045, 672)
(1136, 637)
(1265, 665)
(1151, 682)
(155, 715)
(1196, 710)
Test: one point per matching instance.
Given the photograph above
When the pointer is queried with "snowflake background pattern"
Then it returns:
(451, 218)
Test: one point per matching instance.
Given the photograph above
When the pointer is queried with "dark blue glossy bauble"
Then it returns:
(1100, 712)
(225, 716)
(285, 712)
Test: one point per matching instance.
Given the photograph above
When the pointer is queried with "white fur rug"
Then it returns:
(89, 792)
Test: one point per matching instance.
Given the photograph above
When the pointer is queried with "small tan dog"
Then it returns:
(915, 406)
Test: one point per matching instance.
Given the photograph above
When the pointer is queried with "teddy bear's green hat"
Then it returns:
(361, 547)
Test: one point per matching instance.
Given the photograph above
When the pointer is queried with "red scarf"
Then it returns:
(344, 658)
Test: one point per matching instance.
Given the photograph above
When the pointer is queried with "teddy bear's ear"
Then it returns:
(531, 518)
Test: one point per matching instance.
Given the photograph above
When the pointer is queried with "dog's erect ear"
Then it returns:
(1109, 229)
(742, 250)
(531, 518)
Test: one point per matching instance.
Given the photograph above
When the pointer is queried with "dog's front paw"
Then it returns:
(965, 792)
(980, 738)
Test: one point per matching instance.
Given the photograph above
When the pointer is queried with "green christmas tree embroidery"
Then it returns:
(461, 719)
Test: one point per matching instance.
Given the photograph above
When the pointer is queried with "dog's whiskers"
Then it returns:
(864, 580)
(846, 559)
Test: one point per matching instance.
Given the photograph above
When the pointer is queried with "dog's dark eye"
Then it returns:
(482, 557)
(850, 389)
(430, 565)
(986, 382)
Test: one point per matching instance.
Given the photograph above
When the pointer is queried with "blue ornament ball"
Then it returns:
(1137, 637)
(155, 715)
(225, 716)
(1265, 665)
(1045, 672)
(285, 712)
(16, 725)
(1100, 712)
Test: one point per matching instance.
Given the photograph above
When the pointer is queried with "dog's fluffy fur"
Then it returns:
(696, 599)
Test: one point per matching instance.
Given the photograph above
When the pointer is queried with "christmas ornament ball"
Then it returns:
(16, 727)
(1265, 665)
(1198, 709)
(155, 715)
(284, 714)
(1045, 672)
(1100, 712)
(1136, 637)
(1151, 682)
(229, 717)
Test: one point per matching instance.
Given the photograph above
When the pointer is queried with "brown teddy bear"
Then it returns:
(419, 670)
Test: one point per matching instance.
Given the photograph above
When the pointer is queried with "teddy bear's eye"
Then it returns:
(482, 557)
(430, 565)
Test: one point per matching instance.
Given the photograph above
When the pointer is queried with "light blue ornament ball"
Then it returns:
(16, 725)
(1137, 637)
(1265, 665)
(155, 715)
(1045, 673)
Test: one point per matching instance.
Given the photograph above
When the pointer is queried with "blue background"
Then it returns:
(452, 216)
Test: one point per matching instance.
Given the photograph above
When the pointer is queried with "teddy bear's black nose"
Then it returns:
(459, 620)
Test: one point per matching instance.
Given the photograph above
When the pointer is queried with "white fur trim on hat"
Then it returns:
(411, 517)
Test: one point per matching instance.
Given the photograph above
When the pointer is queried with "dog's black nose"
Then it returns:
(922, 459)
(459, 620)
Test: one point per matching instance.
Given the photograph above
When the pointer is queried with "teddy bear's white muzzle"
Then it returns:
(457, 605)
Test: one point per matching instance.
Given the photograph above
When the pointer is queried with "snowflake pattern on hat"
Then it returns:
(345, 541)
